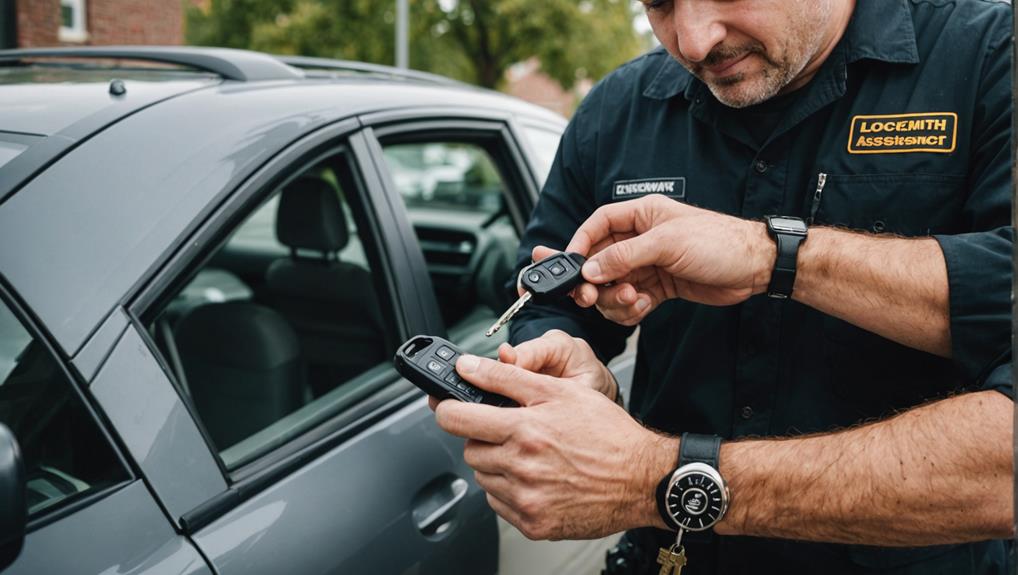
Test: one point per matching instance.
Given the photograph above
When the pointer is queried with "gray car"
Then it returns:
(207, 260)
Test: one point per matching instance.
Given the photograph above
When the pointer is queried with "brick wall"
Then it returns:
(106, 22)
(38, 22)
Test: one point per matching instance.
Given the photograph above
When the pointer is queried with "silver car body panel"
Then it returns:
(95, 352)
(157, 428)
(356, 510)
(124, 533)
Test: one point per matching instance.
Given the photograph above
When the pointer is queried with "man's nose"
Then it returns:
(698, 29)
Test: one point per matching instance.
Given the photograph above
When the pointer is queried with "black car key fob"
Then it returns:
(554, 276)
(548, 279)
(429, 363)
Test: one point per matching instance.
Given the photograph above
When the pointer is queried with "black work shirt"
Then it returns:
(910, 120)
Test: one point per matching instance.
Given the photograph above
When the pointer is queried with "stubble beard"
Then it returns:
(742, 90)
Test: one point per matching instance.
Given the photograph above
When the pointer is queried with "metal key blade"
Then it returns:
(509, 313)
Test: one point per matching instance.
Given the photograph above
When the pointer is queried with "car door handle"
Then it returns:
(435, 504)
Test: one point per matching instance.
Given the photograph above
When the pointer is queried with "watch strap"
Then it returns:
(783, 276)
(697, 448)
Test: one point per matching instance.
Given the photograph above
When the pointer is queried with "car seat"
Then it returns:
(243, 367)
(330, 303)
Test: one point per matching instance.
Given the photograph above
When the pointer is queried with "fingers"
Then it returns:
(541, 252)
(506, 353)
(622, 304)
(547, 354)
(632, 217)
(476, 421)
(504, 510)
(622, 258)
(504, 379)
(484, 457)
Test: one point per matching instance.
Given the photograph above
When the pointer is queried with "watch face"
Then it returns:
(696, 497)
(790, 225)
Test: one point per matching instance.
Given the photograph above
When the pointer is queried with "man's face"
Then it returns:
(746, 51)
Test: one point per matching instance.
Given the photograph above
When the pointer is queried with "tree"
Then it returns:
(472, 40)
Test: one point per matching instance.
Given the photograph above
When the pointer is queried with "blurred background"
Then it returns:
(549, 52)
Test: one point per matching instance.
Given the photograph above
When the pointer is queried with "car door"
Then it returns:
(466, 181)
(276, 327)
(88, 511)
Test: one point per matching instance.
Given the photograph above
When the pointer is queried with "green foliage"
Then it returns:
(472, 40)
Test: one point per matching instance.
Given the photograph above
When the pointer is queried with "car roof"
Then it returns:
(102, 207)
(80, 98)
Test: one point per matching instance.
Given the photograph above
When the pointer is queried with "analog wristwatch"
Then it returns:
(694, 496)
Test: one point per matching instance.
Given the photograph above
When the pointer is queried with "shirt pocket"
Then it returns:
(902, 204)
(873, 375)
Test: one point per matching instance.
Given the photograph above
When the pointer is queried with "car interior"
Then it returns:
(64, 452)
(286, 323)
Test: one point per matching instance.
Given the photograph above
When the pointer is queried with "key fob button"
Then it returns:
(557, 269)
(534, 277)
(435, 366)
(445, 353)
(453, 379)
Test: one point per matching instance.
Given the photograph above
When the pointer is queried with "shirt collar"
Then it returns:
(879, 30)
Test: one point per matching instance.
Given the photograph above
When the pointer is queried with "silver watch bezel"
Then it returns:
(710, 473)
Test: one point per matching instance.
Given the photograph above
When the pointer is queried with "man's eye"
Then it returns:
(656, 5)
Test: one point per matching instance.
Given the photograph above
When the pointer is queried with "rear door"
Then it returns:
(332, 463)
(88, 511)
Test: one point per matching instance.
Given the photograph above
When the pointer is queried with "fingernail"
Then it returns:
(642, 304)
(467, 364)
(592, 270)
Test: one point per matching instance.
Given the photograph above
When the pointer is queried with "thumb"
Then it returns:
(619, 259)
(541, 252)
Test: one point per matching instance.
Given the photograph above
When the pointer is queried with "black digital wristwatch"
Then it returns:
(788, 233)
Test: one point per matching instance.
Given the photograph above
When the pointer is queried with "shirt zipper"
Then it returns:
(815, 205)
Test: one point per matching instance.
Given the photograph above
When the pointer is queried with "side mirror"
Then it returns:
(13, 506)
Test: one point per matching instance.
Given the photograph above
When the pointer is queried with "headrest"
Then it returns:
(310, 216)
(239, 334)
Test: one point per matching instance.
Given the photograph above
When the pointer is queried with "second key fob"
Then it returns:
(554, 276)
(429, 363)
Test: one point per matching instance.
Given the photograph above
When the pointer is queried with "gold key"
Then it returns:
(671, 561)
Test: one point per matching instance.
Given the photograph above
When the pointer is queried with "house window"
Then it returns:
(72, 21)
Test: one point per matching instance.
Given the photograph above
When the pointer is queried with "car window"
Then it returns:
(64, 451)
(544, 143)
(455, 197)
(283, 326)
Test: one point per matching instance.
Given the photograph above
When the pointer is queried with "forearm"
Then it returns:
(941, 473)
(894, 287)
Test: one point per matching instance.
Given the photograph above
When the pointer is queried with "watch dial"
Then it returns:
(695, 501)
(788, 224)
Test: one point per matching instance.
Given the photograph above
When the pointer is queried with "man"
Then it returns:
(890, 117)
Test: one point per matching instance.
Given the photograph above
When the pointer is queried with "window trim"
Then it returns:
(78, 30)
(10, 299)
(192, 254)
(494, 137)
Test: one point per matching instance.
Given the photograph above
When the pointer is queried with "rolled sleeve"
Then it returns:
(979, 264)
(1000, 380)
(979, 271)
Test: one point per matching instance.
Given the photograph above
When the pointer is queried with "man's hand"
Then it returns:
(567, 464)
(643, 252)
(560, 355)
(655, 249)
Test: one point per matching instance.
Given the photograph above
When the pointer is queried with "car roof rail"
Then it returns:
(328, 64)
(231, 64)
